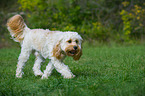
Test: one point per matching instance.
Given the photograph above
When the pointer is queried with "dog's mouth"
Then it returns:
(71, 52)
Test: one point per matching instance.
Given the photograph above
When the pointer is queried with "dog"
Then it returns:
(54, 45)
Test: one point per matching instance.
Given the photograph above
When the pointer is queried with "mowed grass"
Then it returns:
(101, 71)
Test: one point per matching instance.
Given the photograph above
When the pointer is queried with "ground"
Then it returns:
(101, 71)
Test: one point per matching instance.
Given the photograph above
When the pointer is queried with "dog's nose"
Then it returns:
(75, 47)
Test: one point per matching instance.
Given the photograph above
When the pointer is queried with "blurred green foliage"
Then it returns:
(101, 20)
(133, 20)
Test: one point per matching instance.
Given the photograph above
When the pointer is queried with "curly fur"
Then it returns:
(16, 26)
(54, 45)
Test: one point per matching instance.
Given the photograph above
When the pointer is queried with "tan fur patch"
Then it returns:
(78, 55)
(17, 25)
(51, 32)
(57, 52)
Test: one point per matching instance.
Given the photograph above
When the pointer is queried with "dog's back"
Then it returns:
(18, 29)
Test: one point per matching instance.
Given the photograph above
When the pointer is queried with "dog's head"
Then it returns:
(69, 44)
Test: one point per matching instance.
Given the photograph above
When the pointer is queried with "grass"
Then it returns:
(102, 71)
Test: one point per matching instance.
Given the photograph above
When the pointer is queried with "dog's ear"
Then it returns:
(57, 51)
(78, 55)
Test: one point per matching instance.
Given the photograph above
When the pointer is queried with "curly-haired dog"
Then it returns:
(54, 45)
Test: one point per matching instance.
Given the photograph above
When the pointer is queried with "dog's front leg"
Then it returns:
(62, 68)
(48, 70)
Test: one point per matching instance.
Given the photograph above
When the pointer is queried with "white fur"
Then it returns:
(43, 42)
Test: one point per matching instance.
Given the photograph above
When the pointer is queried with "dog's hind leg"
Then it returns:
(24, 56)
(37, 65)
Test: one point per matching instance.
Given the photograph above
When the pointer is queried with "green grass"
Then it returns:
(102, 71)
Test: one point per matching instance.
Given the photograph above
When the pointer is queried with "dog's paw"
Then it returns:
(38, 73)
(69, 76)
(44, 77)
(19, 75)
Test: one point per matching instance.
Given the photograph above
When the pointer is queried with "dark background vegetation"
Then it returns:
(119, 21)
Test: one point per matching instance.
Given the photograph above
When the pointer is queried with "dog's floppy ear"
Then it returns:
(57, 51)
(78, 55)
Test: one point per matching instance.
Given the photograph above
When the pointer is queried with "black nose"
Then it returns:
(75, 47)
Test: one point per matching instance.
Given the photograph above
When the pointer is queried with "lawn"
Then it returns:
(101, 71)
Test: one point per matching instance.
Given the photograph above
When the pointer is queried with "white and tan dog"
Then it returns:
(54, 45)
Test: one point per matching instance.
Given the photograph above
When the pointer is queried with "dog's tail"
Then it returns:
(17, 27)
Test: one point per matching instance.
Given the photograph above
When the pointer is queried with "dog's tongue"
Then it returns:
(72, 52)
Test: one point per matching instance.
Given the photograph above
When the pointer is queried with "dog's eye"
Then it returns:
(69, 41)
(77, 41)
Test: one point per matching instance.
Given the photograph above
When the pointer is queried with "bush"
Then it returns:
(102, 20)
(133, 20)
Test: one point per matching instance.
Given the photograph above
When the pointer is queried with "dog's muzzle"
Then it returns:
(72, 50)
